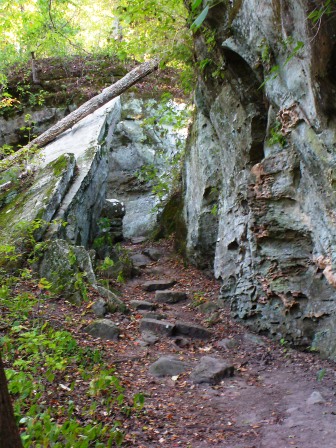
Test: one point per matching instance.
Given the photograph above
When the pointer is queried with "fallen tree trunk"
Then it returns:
(90, 106)
(9, 434)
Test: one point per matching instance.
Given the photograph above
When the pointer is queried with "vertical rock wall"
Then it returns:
(260, 169)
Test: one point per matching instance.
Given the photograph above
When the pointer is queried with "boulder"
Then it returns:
(149, 338)
(113, 303)
(168, 366)
(103, 328)
(168, 296)
(211, 370)
(99, 308)
(64, 266)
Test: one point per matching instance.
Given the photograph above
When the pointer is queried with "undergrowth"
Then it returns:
(64, 393)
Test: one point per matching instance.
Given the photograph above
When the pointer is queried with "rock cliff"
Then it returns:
(260, 169)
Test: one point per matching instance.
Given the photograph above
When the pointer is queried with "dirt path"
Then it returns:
(273, 400)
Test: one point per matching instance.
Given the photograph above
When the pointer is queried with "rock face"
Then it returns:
(143, 141)
(260, 168)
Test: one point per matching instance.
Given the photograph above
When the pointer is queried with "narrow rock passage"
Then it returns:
(208, 381)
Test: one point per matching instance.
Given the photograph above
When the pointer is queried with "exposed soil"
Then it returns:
(264, 405)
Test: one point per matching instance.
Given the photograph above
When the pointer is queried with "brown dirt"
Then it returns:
(264, 405)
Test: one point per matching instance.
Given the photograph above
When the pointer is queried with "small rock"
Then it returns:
(168, 296)
(167, 366)
(138, 239)
(103, 328)
(254, 339)
(315, 398)
(160, 327)
(75, 298)
(140, 260)
(100, 308)
(149, 337)
(155, 316)
(155, 285)
(113, 303)
(228, 344)
(211, 370)
(142, 305)
(181, 342)
(153, 253)
(192, 330)
(209, 307)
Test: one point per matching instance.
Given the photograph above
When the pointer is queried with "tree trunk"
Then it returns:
(34, 70)
(90, 106)
(9, 434)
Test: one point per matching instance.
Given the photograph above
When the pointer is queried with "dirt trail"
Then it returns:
(274, 399)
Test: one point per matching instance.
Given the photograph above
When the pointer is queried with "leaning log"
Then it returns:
(86, 109)
(90, 106)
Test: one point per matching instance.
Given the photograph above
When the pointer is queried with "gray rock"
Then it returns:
(113, 302)
(61, 265)
(138, 239)
(228, 344)
(149, 338)
(155, 285)
(113, 209)
(159, 327)
(140, 260)
(192, 330)
(315, 398)
(141, 305)
(155, 316)
(168, 296)
(103, 328)
(208, 307)
(100, 308)
(168, 366)
(153, 253)
(211, 370)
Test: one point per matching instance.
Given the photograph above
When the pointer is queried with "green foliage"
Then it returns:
(277, 138)
(328, 7)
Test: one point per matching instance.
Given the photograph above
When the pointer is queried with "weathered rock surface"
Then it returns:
(168, 296)
(113, 303)
(260, 171)
(211, 370)
(192, 330)
(100, 308)
(149, 338)
(103, 328)
(62, 264)
(168, 366)
(159, 327)
(155, 285)
(135, 146)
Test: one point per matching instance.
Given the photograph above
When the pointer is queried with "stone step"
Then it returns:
(191, 330)
(169, 296)
(155, 285)
(159, 327)
(142, 305)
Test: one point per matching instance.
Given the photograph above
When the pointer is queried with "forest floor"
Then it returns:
(277, 397)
